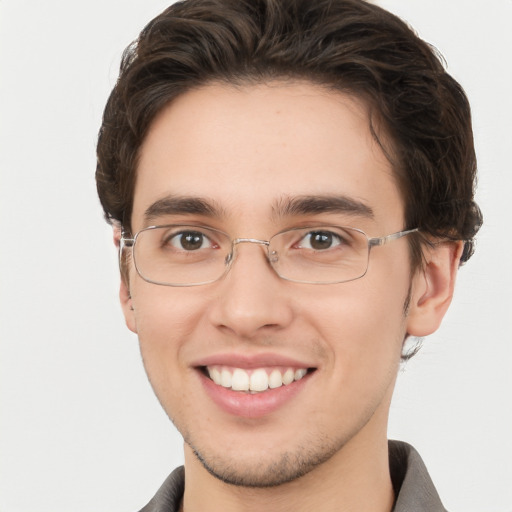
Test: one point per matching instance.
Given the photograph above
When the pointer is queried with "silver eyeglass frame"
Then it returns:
(126, 243)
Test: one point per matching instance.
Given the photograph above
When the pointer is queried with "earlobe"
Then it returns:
(433, 287)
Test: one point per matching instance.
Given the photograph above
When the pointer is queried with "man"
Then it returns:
(291, 188)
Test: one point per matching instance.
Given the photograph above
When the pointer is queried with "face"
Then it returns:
(248, 152)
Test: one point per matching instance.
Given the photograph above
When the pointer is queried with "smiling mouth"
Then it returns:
(255, 380)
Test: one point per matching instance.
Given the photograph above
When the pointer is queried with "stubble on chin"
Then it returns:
(278, 469)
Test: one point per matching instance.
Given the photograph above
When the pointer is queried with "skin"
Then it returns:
(245, 149)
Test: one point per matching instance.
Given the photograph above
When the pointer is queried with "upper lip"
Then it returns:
(251, 361)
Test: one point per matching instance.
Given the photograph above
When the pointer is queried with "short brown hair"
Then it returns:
(350, 46)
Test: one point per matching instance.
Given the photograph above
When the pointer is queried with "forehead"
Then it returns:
(247, 149)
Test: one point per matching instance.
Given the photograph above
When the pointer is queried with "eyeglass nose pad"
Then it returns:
(273, 257)
(228, 259)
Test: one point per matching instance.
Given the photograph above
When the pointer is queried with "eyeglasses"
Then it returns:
(189, 255)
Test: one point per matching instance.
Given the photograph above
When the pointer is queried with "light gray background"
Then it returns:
(80, 428)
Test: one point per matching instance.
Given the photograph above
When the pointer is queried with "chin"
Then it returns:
(271, 470)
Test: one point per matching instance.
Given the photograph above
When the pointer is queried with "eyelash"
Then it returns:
(330, 235)
(180, 236)
(306, 241)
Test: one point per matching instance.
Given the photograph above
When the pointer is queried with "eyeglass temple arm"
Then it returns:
(375, 242)
(125, 242)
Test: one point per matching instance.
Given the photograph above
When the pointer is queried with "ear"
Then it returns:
(116, 234)
(126, 304)
(432, 288)
(124, 289)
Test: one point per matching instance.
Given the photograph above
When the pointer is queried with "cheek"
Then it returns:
(165, 313)
(363, 330)
(166, 319)
(359, 332)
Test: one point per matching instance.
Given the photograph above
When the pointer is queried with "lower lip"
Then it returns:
(247, 405)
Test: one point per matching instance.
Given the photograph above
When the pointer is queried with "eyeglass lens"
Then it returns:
(190, 255)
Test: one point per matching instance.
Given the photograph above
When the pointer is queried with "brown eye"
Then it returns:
(190, 241)
(320, 240)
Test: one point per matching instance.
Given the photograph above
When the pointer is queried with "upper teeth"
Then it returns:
(255, 380)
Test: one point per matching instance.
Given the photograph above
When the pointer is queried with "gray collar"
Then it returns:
(413, 486)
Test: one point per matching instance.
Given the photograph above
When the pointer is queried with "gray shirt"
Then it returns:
(413, 486)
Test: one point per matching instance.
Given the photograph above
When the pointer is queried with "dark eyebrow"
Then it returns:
(306, 205)
(285, 207)
(181, 205)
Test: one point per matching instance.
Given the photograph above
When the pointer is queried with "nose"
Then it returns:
(252, 298)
